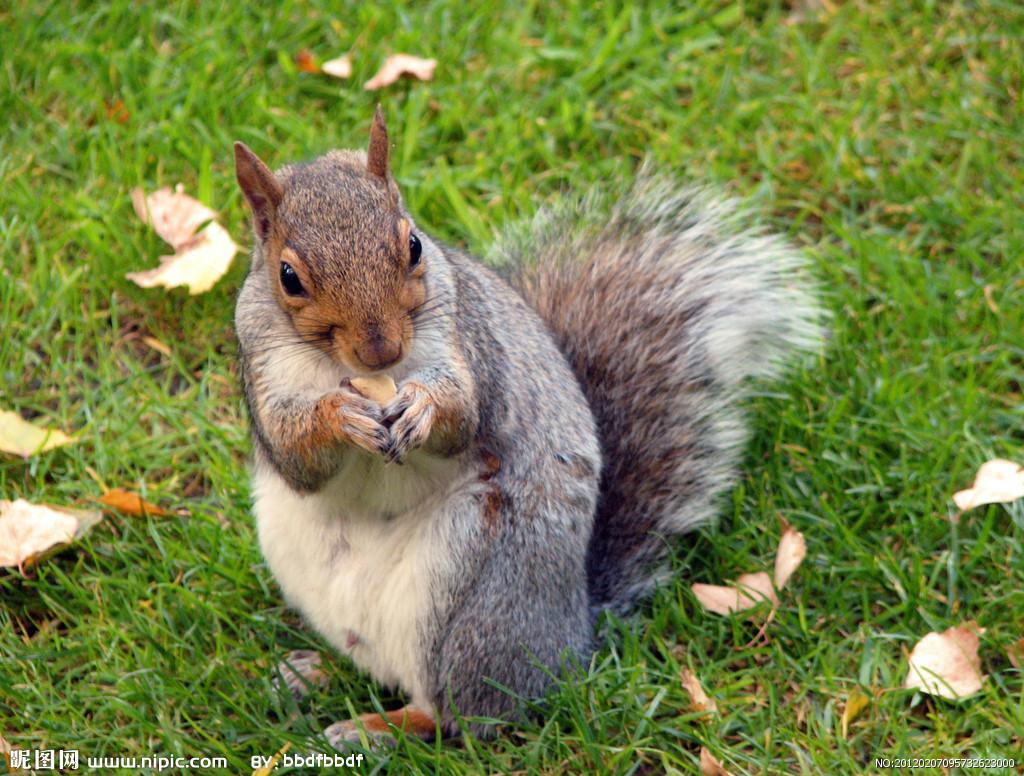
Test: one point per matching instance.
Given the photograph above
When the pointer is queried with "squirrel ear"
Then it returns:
(262, 190)
(377, 155)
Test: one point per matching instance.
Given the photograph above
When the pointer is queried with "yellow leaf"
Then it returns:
(199, 260)
(855, 705)
(19, 437)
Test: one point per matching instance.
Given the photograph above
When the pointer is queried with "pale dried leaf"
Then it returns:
(947, 664)
(174, 215)
(130, 503)
(199, 263)
(19, 437)
(745, 593)
(855, 705)
(28, 531)
(398, 65)
(791, 553)
(997, 482)
(339, 68)
(709, 766)
(1015, 652)
(699, 700)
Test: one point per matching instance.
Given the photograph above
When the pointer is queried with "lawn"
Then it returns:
(885, 138)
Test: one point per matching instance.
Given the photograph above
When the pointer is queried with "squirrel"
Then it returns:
(555, 423)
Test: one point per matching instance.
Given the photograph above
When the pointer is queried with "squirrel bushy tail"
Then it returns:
(664, 306)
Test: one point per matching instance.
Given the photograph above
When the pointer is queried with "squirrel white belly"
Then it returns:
(551, 429)
(357, 566)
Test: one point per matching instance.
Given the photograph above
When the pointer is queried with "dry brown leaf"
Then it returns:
(745, 593)
(306, 62)
(947, 664)
(398, 65)
(699, 700)
(338, 68)
(19, 437)
(28, 532)
(130, 503)
(378, 388)
(856, 702)
(709, 766)
(997, 482)
(789, 556)
(199, 260)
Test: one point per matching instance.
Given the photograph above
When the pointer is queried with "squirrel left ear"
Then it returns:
(377, 155)
(261, 188)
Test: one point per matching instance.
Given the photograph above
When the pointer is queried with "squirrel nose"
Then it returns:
(376, 352)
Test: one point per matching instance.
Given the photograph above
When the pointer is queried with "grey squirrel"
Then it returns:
(551, 432)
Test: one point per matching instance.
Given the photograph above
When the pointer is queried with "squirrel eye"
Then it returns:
(415, 249)
(290, 280)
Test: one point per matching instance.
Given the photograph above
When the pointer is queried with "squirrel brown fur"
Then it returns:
(554, 426)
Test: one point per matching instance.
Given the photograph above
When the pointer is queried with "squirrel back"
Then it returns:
(664, 306)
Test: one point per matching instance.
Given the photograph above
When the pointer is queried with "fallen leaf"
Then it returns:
(856, 702)
(699, 700)
(174, 215)
(789, 556)
(116, 111)
(745, 593)
(997, 482)
(398, 65)
(19, 437)
(1015, 652)
(29, 532)
(709, 766)
(947, 664)
(339, 68)
(199, 265)
(306, 62)
(268, 769)
(199, 260)
(130, 503)
(157, 345)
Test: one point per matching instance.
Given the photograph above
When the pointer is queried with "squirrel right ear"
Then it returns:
(262, 190)
(377, 154)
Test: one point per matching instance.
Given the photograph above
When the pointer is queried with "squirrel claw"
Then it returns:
(411, 417)
(343, 735)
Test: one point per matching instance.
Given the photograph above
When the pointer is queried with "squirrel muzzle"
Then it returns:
(377, 351)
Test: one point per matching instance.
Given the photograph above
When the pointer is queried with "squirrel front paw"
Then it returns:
(410, 416)
(359, 420)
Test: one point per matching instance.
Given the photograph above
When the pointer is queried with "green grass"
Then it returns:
(884, 137)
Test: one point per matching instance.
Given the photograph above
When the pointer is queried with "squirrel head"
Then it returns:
(343, 259)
